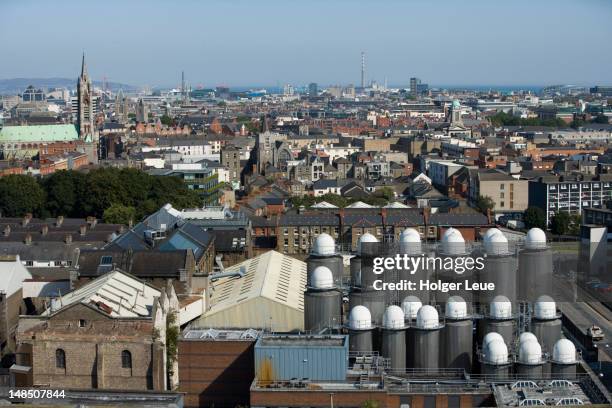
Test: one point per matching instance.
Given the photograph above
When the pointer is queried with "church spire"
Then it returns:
(83, 66)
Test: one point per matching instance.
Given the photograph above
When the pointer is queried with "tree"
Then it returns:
(167, 120)
(560, 223)
(534, 217)
(484, 204)
(119, 214)
(65, 190)
(20, 194)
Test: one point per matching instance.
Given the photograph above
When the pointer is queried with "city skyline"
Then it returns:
(267, 44)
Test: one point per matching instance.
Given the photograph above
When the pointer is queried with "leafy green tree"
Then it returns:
(484, 204)
(20, 194)
(560, 223)
(166, 120)
(65, 190)
(119, 214)
(534, 217)
(386, 192)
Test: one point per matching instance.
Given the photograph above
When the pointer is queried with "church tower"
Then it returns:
(85, 118)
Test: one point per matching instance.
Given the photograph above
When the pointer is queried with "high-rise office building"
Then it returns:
(313, 89)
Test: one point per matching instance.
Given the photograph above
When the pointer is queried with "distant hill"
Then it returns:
(17, 85)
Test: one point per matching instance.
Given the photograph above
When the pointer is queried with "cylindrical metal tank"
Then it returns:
(426, 339)
(457, 335)
(410, 244)
(335, 263)
(324, 253)
(410, 307)
(393, 343)
(500, 268)
(452, 246)
(546, 322)
(495, 362)
(322, 302)
(563, 360)
(355, 270)
(360, 330)
(374, 300)
(535, 270)
(530, 362)
(499, 319)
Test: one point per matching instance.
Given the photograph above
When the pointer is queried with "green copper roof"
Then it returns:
(39, 133)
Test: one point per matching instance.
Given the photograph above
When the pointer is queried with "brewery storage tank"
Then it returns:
(499, 319)
(323, 253)
(546, 322)
(535, 271)
(410, 245)
(453, 247)
(500, 268)
(426, 338)
(362, 275)
(457, 335)
(530, 362)
(393, 342)
(563, 360)
(360, 329)
(410, 307)
(322, 301)
(495, 362)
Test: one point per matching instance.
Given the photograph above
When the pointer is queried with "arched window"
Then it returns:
(126, 359)
(60, 358)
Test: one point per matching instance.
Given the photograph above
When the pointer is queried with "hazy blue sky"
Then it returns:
(265, 42)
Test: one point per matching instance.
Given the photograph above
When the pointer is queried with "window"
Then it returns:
(60, 359)
(501, 195)
(126, 359)
(106, 260)
(501, 186)
(501, 204)
(82, 323)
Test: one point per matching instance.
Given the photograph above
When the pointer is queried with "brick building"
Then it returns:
(109, 334)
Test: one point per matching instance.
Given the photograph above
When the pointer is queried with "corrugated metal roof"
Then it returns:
(124, 295)
(272, 275)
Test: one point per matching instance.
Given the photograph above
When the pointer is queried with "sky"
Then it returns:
(274, 42)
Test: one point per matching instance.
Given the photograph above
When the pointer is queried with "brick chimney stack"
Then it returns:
(44, 230)
(28, 239)
(7, 230)
(83, 229)
(59, 221)
(68, 239)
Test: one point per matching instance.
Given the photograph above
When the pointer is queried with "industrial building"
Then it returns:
(265, 292)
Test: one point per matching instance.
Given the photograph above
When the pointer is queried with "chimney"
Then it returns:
(59, 221)
(489, 216)
(7, 230)
(130, 223)
(45, 229)
(426, 213)
(83, 229)
(68, 239)
(28, 239)
(383, 213)
(25, 220)
(92, 221)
